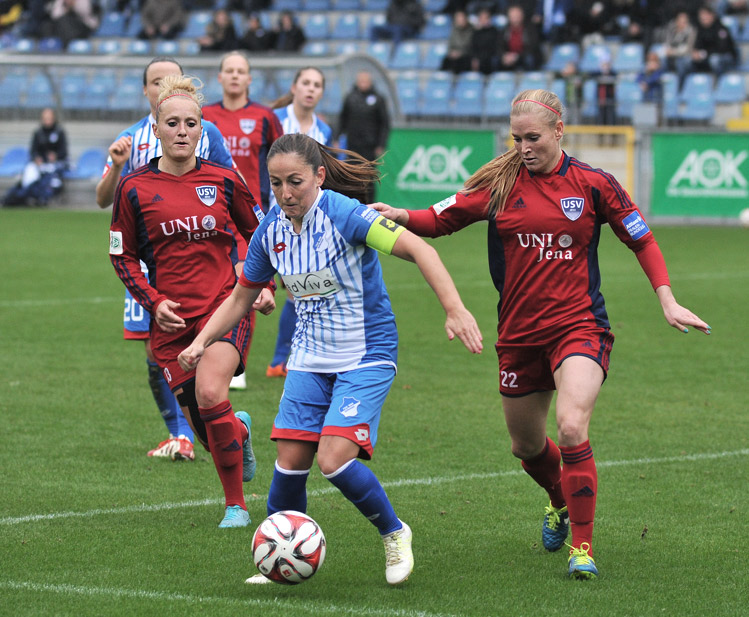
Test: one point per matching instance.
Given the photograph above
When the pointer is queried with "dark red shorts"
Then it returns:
(167, 346)
(528, 368)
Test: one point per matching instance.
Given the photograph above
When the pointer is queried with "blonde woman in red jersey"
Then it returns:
(545, 210)
(177, 214)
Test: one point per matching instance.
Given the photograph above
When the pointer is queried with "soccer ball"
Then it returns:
(288, 547)
(744, 217)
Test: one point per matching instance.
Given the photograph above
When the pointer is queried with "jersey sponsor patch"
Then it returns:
(115, 243)
(445, 203)
(572, 207)
(312, 284)
(207, 194)
(635, 225)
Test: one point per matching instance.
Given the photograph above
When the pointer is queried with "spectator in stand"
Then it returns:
(679, 44)
(458, 57)
(161, 19)
(288, 36)
(404, 19)
(552, 18)
(70, 19)
(573, 91)
(42, 177)
(365, 122)
(220, 34)
(485, 43)
(650, 79)
(606, 92)
(256, 38)
(519, 44)
(589, 21)
(714, 48)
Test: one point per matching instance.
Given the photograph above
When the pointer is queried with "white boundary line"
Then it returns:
(288, 605)
(30, 518)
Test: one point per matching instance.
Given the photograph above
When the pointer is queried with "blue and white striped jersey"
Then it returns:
(146, 146)
(344, 317)
(319, 131)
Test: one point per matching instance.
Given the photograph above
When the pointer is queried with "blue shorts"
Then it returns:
(346, 404)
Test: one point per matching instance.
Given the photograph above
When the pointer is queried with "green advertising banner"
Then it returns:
(424, 166)
(700, 174)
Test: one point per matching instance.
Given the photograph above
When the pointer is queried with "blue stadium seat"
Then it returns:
(137, 47)
(49, 45)
(469, 80)
(13, 161)
(316, 5)
(670, 107)
(730, 88)
(332, 98)
(733, 24)
(380, 51)
(317, 26)
(468, 99)
(196, 24)
(433, 55)
(627, 94)
(698, 107)
(134, 26)
(347, 47)
(629, 59)
(498, 95)
(406, 56)
(694, 84)
(113, 24)
(434, 6)
(408, 96)
(97, 95)
(39, 93)
(438, 27)
(561, 55)
(90, 165)
(129, 95)
(72, 93)
(81, 47)
(435, 101)
(109, 46)
(533, 80)
(287, 5)
(12, 88)
(164, 47)
(316, 48)
(592, 56)
(589, 107)
(375, 5)
(348, 26)
(190, 47)
(24, 46)
(284, 79)
(346, 5)
(558, 88)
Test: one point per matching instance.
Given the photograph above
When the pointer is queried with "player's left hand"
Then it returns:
(166, 318)
(462, 324)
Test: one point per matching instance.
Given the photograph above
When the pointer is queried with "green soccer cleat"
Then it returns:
(582, 566)
(248, 456)
(555, 528)
(236, 516)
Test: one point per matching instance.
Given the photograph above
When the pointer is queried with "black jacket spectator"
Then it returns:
(714, 48)
(256, 38)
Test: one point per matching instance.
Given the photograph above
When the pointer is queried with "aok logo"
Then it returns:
(434, 168)
(710, 173)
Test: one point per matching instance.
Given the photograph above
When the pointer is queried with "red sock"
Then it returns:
(580, 486)
(225, 440)
(547, 473)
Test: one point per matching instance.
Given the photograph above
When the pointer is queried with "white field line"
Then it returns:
(433, 481)
(287, 605)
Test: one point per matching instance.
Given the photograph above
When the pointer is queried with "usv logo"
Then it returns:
(710, 173)
(436, 168)
(207, 194)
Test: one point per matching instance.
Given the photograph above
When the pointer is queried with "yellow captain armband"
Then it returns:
(383, 233)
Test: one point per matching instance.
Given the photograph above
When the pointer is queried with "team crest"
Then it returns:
(247, 125)
(572, 207)
(207, 194)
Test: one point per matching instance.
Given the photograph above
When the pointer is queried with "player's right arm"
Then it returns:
(119, 153)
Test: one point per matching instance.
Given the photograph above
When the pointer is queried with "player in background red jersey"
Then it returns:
(545, 210)
(249, 129)
(175, 214)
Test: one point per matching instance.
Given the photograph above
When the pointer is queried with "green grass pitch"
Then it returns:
(90, 526)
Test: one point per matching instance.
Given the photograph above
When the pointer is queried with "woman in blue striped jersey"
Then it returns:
(343, 357)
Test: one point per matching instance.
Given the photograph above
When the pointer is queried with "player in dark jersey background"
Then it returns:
(249, 129)
(545, 210)
(174, 214)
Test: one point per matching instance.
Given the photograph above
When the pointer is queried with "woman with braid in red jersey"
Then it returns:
(545, 210)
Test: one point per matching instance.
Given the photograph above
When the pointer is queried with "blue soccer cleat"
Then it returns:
(555, 528)
(236, 516)
(248, 456)
(582, 566)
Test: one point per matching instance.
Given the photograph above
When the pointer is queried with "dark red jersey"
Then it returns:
(543, 246)
(249, 133)
(180, 227)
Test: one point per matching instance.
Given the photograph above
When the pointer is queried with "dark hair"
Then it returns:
(350, 176)
(286, 99)
(160, 59)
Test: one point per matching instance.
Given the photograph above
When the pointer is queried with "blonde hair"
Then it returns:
(180, 85)
(498, 175)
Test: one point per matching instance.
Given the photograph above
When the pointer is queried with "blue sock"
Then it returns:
(167, 403)
(288, 490)
(361, 487)
(286, 324)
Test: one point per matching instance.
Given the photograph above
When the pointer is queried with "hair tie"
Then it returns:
(166, 98)
(539, 103)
